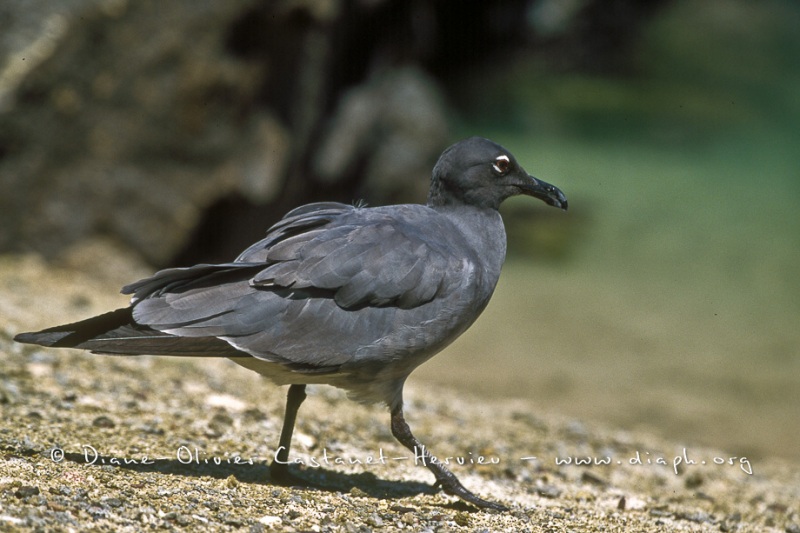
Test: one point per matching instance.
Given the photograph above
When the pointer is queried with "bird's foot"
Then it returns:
(453, 487)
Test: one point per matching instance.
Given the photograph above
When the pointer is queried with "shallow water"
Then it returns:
(675, 307)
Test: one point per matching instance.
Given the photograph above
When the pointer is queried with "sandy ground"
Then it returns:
(127, 444)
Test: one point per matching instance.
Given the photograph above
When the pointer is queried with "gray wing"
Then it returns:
(328, 280)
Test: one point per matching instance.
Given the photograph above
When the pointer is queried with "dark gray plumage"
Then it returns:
(349, 296)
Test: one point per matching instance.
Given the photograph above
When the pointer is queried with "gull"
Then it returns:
(345, 295)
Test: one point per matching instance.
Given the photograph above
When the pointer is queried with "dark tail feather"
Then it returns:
(75, 334)
(116, 333)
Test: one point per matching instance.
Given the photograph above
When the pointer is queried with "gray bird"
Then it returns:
(349, 296)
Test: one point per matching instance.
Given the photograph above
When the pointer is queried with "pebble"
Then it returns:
(270, 521)
(113, 502)
(548, 491)
(26, 491)
(103, 421)
(375, 520)
(698, 517)
(591, 477)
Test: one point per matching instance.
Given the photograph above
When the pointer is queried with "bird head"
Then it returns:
(481, 173)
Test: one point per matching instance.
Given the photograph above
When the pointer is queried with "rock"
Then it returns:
(103, 422)
(104, 132)
(26, 491)
(146, 141)
(271, 521)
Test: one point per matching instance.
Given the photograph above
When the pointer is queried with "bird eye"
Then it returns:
(501, 164)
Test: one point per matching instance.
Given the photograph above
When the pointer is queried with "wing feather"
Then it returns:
(326, 271)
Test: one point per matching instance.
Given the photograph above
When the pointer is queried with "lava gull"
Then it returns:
(350, 296)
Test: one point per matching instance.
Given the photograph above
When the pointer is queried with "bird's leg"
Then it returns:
(449, 482)
(279, 469)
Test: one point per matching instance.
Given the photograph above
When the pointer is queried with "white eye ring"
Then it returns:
(501, 164)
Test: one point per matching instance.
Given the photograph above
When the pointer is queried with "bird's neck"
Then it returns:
(440, 195)
(483, 230)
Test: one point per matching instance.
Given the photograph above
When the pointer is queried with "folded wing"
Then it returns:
(346, 275)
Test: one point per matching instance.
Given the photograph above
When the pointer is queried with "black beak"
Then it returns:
(549, 194)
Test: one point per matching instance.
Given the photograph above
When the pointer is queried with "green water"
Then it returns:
(673, 301)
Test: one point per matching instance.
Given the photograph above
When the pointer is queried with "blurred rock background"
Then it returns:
(184, 129)
(667, 299)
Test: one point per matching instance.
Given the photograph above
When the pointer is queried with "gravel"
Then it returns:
(130, 444)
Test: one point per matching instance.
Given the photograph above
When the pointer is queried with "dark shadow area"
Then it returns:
(322, 479)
